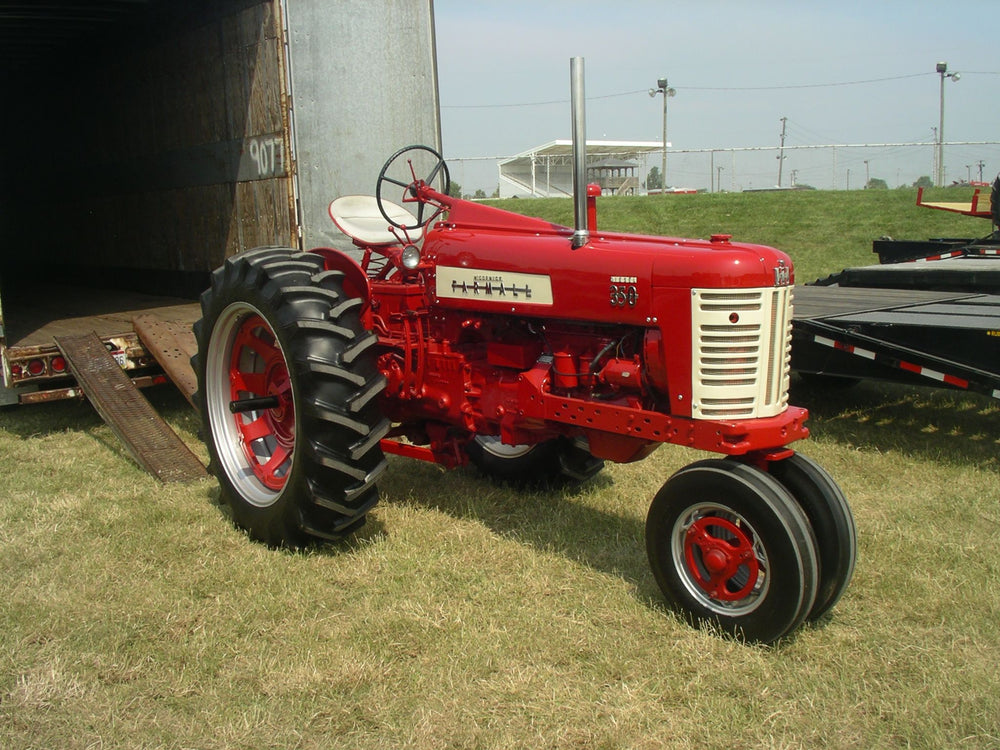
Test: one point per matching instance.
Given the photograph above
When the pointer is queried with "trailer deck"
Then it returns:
(39, 313)
(935, 321)
(139, 331)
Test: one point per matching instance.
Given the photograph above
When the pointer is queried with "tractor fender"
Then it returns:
(356, 284)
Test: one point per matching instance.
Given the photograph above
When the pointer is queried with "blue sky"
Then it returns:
(845, 72)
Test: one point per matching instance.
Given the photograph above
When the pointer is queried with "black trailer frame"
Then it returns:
(929, 314)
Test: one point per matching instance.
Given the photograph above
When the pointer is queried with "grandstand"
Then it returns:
(547, 171)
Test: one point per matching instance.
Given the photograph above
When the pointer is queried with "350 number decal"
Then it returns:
(624, 295)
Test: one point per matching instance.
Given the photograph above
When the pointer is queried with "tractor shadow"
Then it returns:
(565, 521)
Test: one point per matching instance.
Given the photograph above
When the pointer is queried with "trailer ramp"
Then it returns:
(172, 345)
(150, 440)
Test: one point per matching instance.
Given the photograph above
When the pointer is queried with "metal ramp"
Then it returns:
(150, 440)
(172, 345)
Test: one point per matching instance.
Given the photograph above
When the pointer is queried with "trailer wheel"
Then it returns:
(548, 464)
(730, 548)
(830, 516)
(286, 387)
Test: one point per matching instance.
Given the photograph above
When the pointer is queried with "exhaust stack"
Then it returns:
(580, 235)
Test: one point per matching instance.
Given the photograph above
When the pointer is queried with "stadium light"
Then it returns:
(663, 88)
(942, 69)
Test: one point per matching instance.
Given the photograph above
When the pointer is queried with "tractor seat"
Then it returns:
(359, 218)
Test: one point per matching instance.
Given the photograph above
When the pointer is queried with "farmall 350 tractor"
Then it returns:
(534, 351)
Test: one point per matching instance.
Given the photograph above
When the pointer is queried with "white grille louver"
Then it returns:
(742, 352)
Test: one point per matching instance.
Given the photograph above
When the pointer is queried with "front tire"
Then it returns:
(282, 343)
(832, 522)
(552, 463)
(730, 548)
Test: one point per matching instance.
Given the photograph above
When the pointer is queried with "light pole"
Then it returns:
(663, 88)
(942, 70)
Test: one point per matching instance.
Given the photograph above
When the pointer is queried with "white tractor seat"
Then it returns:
(359, 218)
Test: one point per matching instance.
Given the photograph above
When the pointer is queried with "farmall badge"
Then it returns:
(493, 286)
(782, 274)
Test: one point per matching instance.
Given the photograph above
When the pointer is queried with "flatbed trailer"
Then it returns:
(928, 314)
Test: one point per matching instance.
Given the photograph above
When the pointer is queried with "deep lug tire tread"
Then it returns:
(331, 363)
(553, 463)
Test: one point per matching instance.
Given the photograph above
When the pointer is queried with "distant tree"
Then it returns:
(496, 193)
(923, 182)
(654, 180)
(455, 190)
(480, 193)
(876, 184)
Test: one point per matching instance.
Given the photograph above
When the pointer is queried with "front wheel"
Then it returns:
(287, 386)
(558, 461)
(832, 522)
(730, 548)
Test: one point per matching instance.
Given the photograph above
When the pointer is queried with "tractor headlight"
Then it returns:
(410, 257)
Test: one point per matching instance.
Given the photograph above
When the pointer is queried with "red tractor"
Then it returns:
(536, 352)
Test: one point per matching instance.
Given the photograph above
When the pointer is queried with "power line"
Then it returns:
(785, 87)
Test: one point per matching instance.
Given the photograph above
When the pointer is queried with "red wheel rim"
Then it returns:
(720, 558)
(257, 368)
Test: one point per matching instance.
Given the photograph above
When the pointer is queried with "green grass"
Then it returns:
(464, 614)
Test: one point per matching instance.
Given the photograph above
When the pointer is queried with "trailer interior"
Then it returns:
(128, 174)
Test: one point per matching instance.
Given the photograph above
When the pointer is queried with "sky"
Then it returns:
(841, 73)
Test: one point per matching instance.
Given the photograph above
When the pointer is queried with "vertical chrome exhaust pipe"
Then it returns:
(580, 234)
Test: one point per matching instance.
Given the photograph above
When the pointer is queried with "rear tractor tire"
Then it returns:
(287, 388)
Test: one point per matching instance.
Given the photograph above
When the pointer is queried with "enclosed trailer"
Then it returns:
(148, 140)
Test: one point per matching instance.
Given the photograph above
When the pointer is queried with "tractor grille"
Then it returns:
(742, 352)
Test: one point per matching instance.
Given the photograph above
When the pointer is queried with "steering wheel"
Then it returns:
(399, 172)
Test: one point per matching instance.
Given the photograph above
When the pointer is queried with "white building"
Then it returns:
(547, 171)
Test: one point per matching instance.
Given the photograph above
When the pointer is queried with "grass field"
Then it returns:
(466, 615)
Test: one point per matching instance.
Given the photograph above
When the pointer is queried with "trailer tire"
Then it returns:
(832, 522)
(552, 463)
(277, 326)
(730, 549)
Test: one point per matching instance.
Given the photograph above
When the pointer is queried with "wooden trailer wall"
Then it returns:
(158, 147)
(163, 139)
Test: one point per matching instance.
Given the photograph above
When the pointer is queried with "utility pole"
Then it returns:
(934, 166)
(663, 88)
(781, 149)
(980, 164)
(942, 70)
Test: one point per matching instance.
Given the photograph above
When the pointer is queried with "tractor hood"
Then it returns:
(490, 259)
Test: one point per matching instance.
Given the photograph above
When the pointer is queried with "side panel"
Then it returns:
(364, 84)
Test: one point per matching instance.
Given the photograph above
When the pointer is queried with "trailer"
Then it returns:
(928, 314)
(153, 139)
